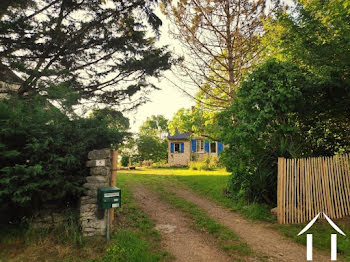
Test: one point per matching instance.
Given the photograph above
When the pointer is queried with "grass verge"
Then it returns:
(134, 239)
(64, 243)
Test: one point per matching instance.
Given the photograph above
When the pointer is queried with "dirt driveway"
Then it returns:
(187, 244)
(178, 238)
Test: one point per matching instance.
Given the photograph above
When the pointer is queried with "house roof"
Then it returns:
(179, 136)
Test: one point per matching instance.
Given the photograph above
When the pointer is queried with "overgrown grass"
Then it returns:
(129, 246)
(64, 243)
(227, 240)
(135, 239)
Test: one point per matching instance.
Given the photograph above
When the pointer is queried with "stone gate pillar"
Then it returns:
(93, 220)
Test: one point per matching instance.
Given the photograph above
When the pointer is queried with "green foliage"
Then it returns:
(130, 247)
(291, 111)
(152, 143)
(105, 55)
(114, 118)
(197, 120)
(209, 163)
(265, 127)
(156, 126)
(43, 154)
(152, 148)
(125, 160)
(275, 115)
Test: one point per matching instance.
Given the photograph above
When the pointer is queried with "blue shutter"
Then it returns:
(206, 146)
(182, 147)
(220, 147)
(171, 147)
(193, 145)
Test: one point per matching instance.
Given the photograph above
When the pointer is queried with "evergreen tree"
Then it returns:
(93, 51)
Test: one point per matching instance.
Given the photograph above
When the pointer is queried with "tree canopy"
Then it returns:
(296, 103)
(94, 52)
(221, 41)
(155, 125)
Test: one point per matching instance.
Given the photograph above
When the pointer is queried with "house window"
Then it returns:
(200, 146)
(213, 147)
(177, 147)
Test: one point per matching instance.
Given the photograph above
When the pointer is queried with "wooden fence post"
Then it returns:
(113, 182)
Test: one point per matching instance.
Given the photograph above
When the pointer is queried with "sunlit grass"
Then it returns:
(175, 172)
(210, 184)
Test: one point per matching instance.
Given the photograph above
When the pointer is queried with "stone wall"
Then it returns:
(180, 159)
(93, 220)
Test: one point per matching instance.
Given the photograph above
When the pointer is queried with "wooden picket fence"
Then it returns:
(311, 185)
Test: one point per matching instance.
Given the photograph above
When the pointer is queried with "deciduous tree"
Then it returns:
(220, 41)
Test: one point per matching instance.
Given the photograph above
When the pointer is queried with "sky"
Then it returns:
(169, 99)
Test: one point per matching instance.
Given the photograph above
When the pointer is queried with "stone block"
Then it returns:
(91, 193)
(94, 186)
(100, 154)
(87, 200)
(97, 179)
(100, 171)
(99, 162)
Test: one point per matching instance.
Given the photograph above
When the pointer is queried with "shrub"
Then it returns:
(199, 165)
(147, 163)
(161, 164)
(43, 154)
(265, 127)
(209, 163)
(275, 114)
(124, 161)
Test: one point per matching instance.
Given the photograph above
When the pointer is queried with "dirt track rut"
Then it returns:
(186, 244)
(258, 235)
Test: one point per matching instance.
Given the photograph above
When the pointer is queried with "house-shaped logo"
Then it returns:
(309, 237)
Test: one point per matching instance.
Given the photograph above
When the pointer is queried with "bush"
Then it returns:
(147, 163)
(265, 127)
(209, 163)
(161, 164)
(125, 161)
(275, 115)
(43, 154)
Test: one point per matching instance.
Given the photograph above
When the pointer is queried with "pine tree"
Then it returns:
(99, 51)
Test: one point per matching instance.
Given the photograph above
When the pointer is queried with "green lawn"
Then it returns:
(210, 184)
(175, 172)
(134, 239)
